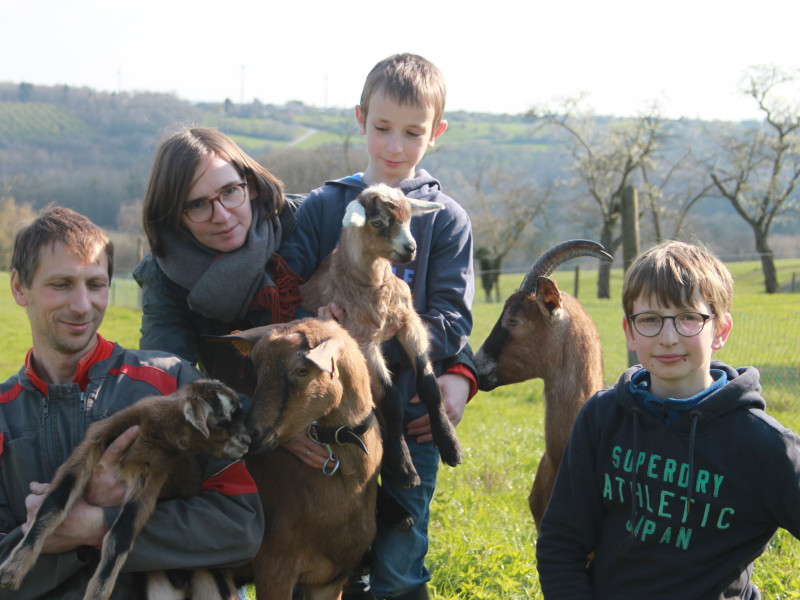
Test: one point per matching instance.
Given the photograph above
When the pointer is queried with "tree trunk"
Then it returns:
(767, 263)
(604, 272)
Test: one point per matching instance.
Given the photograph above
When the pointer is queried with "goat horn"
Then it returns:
(558, 255)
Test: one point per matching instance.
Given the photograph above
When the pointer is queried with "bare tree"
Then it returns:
(507, 201)
(669, 191)
(607, 157)
(757, 171)
(12, 216)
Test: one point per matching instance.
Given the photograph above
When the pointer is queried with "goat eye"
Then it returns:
(301, 372)
(376, 223)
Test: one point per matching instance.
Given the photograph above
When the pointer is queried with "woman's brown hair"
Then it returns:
(171, 176)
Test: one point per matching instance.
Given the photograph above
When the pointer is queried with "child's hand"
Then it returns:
(455, 393)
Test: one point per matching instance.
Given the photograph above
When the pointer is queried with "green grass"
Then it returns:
(482, 537)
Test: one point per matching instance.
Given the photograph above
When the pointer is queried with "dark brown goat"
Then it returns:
(312, 378)
(543, 332)
(358, 277)
(201, 417)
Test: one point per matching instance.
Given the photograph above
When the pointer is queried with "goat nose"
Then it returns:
(411, 247)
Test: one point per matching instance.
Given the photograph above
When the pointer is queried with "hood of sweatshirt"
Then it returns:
(741, 392)
(422, 186)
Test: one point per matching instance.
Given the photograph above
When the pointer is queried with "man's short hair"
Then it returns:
(58, 224)
(672, 272)
(407, 79)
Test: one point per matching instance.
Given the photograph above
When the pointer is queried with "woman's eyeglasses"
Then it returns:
(688, 324)
(202, 209)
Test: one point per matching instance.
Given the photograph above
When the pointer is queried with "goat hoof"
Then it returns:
(452, 456)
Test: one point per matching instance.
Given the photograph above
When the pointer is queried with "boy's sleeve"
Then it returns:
(567, 530)
(450, 286)
(302, 250)
(783, 499)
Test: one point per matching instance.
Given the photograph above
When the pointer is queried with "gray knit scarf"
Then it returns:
(222, 284)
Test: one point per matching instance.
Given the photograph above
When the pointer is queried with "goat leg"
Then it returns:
(542, 487)
(118, 541)
(444, 434)
(67, 487)
(396, 455)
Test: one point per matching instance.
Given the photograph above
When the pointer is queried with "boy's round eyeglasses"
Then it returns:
(202, 209)
(687, 324)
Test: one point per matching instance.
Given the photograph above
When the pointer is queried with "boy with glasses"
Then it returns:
(676, 479)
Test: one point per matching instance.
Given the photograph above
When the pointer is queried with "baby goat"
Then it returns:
(311, 378)
(358, 276)
(202, 417)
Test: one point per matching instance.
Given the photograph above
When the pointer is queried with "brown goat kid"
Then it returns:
(201, 417)
(358, 277)
(543, 332)
(311, 377)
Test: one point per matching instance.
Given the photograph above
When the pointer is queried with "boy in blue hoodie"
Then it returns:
(676, 479)
(400, 114)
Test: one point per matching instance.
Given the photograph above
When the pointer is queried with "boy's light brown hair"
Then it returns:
(58, 224)
(672, 272)
(409, 80)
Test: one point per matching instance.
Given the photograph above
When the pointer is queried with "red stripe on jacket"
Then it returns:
(233, 480)
(162, 381)
(10, 394)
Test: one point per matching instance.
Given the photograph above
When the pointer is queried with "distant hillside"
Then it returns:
(92, 151)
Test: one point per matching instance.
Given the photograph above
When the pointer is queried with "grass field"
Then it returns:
(482, 538)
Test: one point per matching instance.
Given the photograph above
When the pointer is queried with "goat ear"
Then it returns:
(548, 298)
(421, 207)
(355, 216)
(324, 355)
(196, 411)
(243, 341)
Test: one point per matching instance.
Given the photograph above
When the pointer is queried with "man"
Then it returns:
(62, 266)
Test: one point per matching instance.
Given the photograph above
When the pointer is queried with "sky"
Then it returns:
(497, 56)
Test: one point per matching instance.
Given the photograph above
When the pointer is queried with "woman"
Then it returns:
(214, 219)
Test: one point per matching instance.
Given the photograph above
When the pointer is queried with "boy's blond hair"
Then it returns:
(672, 272)
(408, 79)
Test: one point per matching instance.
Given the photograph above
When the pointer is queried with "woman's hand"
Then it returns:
(307, 450)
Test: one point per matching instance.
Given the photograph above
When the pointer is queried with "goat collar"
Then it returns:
(342, 435)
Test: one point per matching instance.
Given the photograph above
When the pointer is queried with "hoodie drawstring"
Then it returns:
(695, 415)
(636, 412)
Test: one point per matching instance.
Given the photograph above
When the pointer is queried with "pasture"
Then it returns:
(482, 537)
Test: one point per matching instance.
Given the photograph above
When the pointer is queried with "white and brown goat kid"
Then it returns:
(312, 378)
(358, 277)
(544, 332)
(203, 416)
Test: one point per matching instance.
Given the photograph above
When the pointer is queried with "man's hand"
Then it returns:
(105, 487)
(85, 523)
(455, 393)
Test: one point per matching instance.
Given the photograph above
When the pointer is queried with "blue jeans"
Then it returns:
(400, 555)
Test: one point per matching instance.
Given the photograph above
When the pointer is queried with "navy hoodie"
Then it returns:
(670, 510)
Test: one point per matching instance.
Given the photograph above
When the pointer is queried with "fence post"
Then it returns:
(577, 281)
